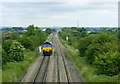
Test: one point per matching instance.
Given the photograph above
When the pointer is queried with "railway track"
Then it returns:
(42, 71)
(55, 68)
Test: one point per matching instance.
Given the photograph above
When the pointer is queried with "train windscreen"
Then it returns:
(47, 45)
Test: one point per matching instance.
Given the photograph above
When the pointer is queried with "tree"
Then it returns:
(101, 43)
(48, 31)
(14, 35)
(84, 43)
(26, 42)
(17, 28)
(35, 40)
(92, 51)
(30, 30)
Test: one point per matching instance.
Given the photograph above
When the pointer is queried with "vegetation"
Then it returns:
(88, 71)
(16, 52)
(13, 70)
(99, 49)
(74, 34)
(26, 42)
(15, 43)
(48, 30)
(19, 50)
(7, 29)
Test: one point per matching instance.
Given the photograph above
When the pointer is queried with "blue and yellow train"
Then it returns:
(47, 48)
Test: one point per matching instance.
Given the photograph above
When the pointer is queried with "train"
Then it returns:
(47, 48)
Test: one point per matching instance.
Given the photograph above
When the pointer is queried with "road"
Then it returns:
(55, 68)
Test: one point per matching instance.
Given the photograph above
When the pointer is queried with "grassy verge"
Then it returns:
(86, 70)
(12, 71)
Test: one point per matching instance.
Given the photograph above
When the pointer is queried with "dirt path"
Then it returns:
(55, 68)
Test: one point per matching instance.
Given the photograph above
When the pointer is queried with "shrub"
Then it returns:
(26, 42)
(16, 52)
(4, 57)
(84, 43)
(92, 51)
(107, 63)
(6, 45)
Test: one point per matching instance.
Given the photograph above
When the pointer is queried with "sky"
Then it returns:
(59, 13)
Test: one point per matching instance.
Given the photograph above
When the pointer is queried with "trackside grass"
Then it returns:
(14, 70)
(87, 71)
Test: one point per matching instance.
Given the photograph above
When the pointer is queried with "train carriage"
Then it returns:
(47, 48)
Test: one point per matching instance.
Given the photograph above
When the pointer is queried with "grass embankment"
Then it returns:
(87, 71)
(14, 70)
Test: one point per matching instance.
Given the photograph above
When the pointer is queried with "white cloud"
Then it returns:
(60, 13)
(0, 13)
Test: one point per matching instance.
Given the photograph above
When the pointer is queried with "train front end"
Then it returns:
(47, 48)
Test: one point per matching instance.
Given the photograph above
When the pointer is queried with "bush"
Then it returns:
(92, 51)
(4, 57)
(107, 63)
(84, 43)
(16, 52)
(26, 42)
(102, 50)
(6, 45)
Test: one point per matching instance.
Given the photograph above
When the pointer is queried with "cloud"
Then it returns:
(59, 13)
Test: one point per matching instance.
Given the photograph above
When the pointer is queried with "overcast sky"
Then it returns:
(67, 13)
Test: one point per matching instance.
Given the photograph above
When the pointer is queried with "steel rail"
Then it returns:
(63, 61)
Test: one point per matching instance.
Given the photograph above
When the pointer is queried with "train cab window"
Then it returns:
(44, 46)
(47, 46)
